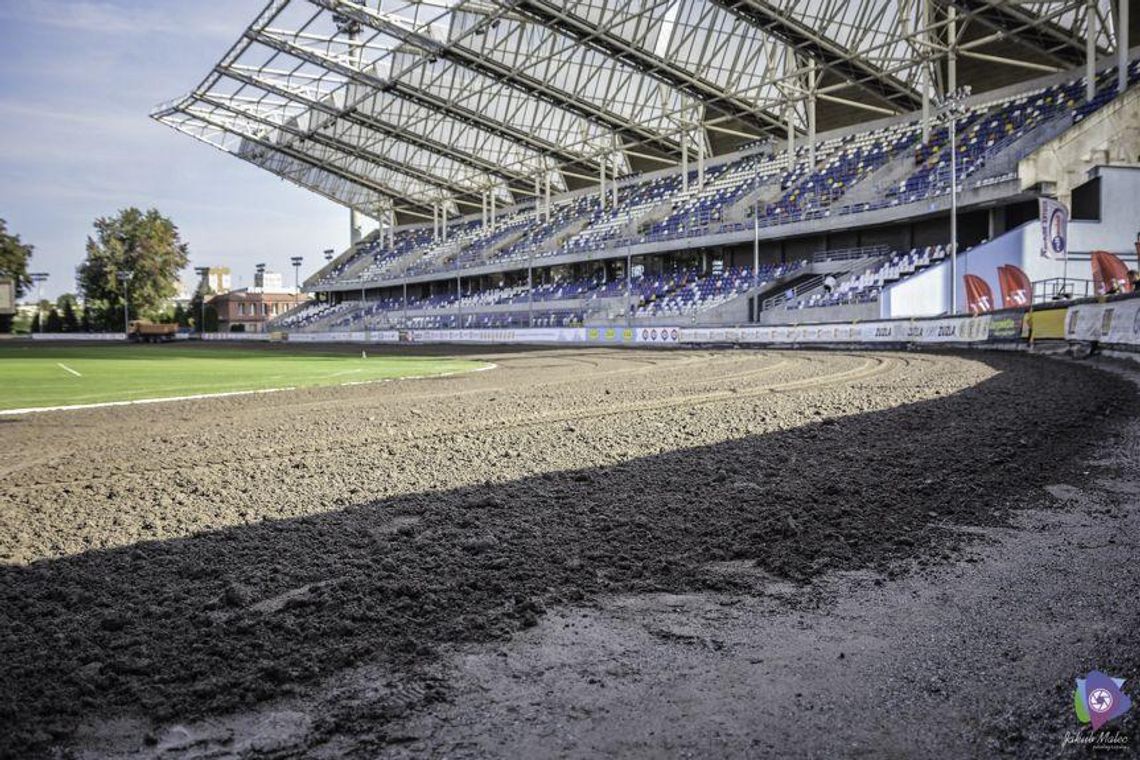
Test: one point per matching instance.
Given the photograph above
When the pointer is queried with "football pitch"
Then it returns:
(37, 376)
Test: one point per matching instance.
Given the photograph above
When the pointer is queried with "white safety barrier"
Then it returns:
(943, 330)
(244, 337)
(1115, 322)
(78, 336)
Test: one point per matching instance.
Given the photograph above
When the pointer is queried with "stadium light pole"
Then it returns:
(203, 289)
(124, 277)
(950, 107)
(39, 278)
(297, 260)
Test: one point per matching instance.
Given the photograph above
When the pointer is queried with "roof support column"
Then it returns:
(391, 227)
(788, 114)
(355, 226)
(443, 219)
(1090, 49)
(613, 179)
(493, 201)
(926, 83)
(537, 198)
(811, 113)
(952, 50)
(434, 221)
(700, 159)
(483, 208)
(602, 182)
(1122, 46)
(685, 159)
(548, 197)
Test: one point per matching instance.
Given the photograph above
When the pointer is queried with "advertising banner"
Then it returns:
(945, 330)
(1054, 229)
(1121, 323)
(1006, 327)
(1048, 324)
(657, 335)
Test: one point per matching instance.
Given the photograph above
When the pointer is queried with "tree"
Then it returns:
(70, 321)
(35, 328)
(54, 321)
(14, 257)
(145, 245)
(181, 318)
(194, 313)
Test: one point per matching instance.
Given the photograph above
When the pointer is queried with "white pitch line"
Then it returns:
(227, 394)
(67, 369)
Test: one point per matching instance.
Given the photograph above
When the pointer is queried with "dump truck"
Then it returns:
(142, 331)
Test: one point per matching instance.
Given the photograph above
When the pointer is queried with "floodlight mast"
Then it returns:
(39, 278)
(203, 290)
(950, 107)
(124, 278)
(297, 260)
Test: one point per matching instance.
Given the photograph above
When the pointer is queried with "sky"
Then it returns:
(78, 80)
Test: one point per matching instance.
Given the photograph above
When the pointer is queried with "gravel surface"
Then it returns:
(298, 574)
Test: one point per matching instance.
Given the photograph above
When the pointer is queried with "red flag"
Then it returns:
(1016, 290)
(979, 297)
(1110, 274)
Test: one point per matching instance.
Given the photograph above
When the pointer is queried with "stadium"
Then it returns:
(705, 378)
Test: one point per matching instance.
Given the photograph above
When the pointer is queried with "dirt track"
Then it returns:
(170, 563)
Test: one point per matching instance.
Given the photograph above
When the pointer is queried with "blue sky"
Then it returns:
(78, 79)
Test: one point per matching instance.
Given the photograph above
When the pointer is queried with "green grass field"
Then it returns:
(45, 375)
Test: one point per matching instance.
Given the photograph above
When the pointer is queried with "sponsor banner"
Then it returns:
(947, 330)
(657, 335)
(1048, 324)
(354, 336)
(1116, 322)
(1083, 322)
(1121, 324)
(1054, 229)
(1006, 327)
(236, 336)
(78, 336)
(495, 335)
(609, 334)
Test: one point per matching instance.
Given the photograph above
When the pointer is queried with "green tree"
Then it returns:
(70, 320)
(35, 328)
(181, 318)
(54, 321)
(148, 248)
(14, 257)
(194, 313)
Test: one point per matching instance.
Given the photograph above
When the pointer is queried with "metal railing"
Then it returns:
(846, 254)
(1061, 289)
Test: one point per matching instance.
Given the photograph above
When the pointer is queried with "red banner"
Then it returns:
(979, 297)
(1110, 274)
(1016, 290)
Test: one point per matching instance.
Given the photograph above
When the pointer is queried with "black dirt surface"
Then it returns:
(220, 555)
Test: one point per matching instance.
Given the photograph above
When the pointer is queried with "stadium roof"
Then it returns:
(398, 106)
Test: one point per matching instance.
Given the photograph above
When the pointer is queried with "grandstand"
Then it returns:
(801, 173)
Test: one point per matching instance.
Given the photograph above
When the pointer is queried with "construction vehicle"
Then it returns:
(142, 331)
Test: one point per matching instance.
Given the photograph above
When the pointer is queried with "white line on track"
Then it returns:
(227, 394)
(67, 369)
